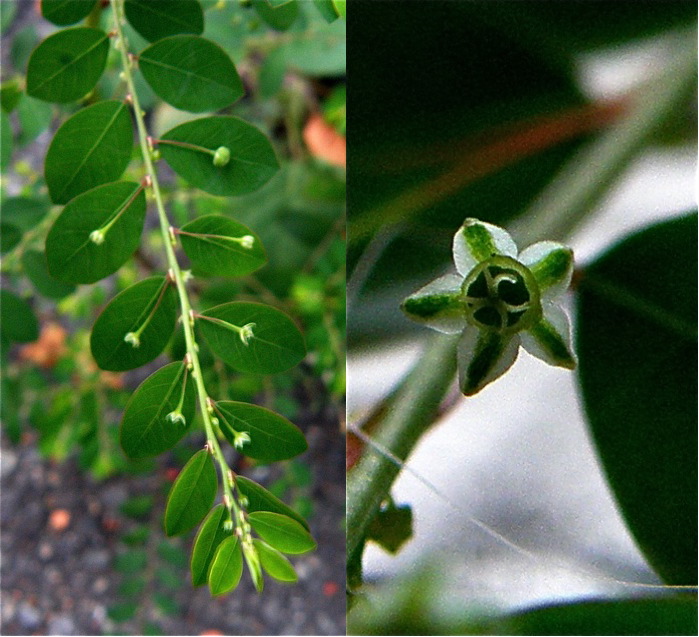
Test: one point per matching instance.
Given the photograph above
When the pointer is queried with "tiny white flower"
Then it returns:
(246, 333)
(240, 439)
(247, 241)
(132, 337)
(498, 301)
(176, 417)
(97, 237)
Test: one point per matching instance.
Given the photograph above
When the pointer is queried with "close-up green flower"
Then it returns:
(498, 301)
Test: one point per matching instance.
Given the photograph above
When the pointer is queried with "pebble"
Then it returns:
(61, 625)
(8, 463)
(45, 551)
(96, 558)
(100, 585)
(28, 616)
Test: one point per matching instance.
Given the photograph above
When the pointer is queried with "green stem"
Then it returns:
(187, 145)
(407, 418)
(586, 179)
(176, 272)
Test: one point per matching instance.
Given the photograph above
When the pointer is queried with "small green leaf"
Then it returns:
(166, 604)
(65, 12)
(272, 437)
(156, 20)
(23, 212)
(283, 533)
(67, 64)
(130, 561)
(191, 73)
(227, 567)
(260, 499)
(34, 263)
(191, 495)
(147, 310)
(172, 554)
(219, 246)
(252, 162)
(5, 140)
(117, 211)
(34, 118)
(327, 9)
(210, 535)
(137, 506)
(11, 92)
(10, 236)
(17, 319)
(91, 148)
(280, 18)
(122, 612)
(275, 345)
(392, 527)
(148, 427)
(274, 563)
(341, 7)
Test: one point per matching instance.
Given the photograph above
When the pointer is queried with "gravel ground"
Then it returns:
(61, 581)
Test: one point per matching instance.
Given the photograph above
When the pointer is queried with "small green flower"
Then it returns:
(498, 301)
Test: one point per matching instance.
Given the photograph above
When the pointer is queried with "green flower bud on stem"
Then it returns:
(222, 156)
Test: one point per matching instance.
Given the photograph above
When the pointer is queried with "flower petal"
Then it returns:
(477, 241)
(484, 356)
(551, 263)
(438, 305)
(550, 338)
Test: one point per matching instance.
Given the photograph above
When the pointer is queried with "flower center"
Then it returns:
(500, 294)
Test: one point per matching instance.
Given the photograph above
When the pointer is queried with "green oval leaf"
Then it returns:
(210, 535)
(651, 616)
(118, 210)
(327, 9)
(637, 343)
(272, 437)
(275, 345)
(23, 212)
(192, 494)
(252, 161)
(156, 20)
(227, 567)
(191, 73)
(10, 236)
(5, 140)
(91, 148)
(147, 428)
(219, 246)
(17, 320)
(281, 17)
(67, 64)
(150, 304)
(64, 12)
(34, 263)
(281, 532)
(274, 563)
(259, 499)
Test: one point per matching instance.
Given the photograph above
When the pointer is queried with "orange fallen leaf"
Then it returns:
(324, 142)
(50, 346)
(59, 519)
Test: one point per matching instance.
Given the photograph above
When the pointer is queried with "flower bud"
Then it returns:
(222, 156)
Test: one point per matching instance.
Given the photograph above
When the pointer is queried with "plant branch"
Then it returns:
(176, 273)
